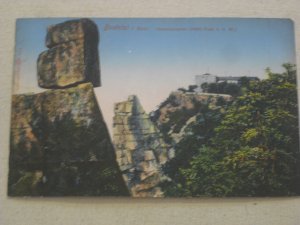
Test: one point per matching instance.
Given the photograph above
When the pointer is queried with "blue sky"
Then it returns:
(153, 57)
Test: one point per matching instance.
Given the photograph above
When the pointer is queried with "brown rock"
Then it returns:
(72, 30)
(73, 55)
(60, 146)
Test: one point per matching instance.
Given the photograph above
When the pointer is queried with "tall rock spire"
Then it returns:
(139, 148)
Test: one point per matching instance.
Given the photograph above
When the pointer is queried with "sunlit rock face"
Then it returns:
(140, 150)
(72, 57)
(180, 110)
(60, 146)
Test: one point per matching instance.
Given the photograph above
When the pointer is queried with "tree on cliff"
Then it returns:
(196, 134)
(222, 88)
(255, 149)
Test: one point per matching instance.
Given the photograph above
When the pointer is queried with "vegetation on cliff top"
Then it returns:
(249, 148)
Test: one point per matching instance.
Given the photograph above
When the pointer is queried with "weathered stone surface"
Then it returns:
(139, 149)
(83, 107)
(71, 30)
(60, 146)
(179, 100)
(181, 109)
(73, 55)
(62, 65)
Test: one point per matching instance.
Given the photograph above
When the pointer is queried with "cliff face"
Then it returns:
(139, 148)
(59, 141)
(181, 109)
(60, 146)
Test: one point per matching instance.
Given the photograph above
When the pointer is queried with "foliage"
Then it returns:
(234, 89)
(252, 151)
(222, 88)
(178, 116)
(197, 134)
(192, 88)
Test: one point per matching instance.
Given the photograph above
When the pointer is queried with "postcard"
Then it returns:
(154, 107)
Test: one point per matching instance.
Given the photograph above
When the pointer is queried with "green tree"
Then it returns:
(196, 134)
(222, 88)
(254, 150)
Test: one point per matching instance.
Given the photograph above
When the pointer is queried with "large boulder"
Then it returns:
(72, 57)
(72, 30)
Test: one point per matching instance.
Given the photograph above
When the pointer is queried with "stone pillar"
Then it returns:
(139, 148)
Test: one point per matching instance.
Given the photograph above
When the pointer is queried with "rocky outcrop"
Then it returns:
(72, 57)
(33, 114)
(181, 109)
(140, 150)
(60, 144)
(179, 100)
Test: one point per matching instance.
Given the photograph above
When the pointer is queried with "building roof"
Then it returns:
(235, 78)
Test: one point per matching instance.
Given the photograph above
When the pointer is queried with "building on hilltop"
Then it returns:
(204, 78)
(209, 78)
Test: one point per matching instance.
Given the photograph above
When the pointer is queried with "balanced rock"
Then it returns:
(139, 149)
(72, 57)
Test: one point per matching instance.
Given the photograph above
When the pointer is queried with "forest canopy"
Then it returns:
(245, 147)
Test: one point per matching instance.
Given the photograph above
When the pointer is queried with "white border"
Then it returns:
(89, 211)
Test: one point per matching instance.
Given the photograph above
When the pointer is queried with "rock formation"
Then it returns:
(181, 109)
(72, 57)
(59, 141)
(139, 148)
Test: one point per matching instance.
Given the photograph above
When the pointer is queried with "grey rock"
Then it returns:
(139, 149)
